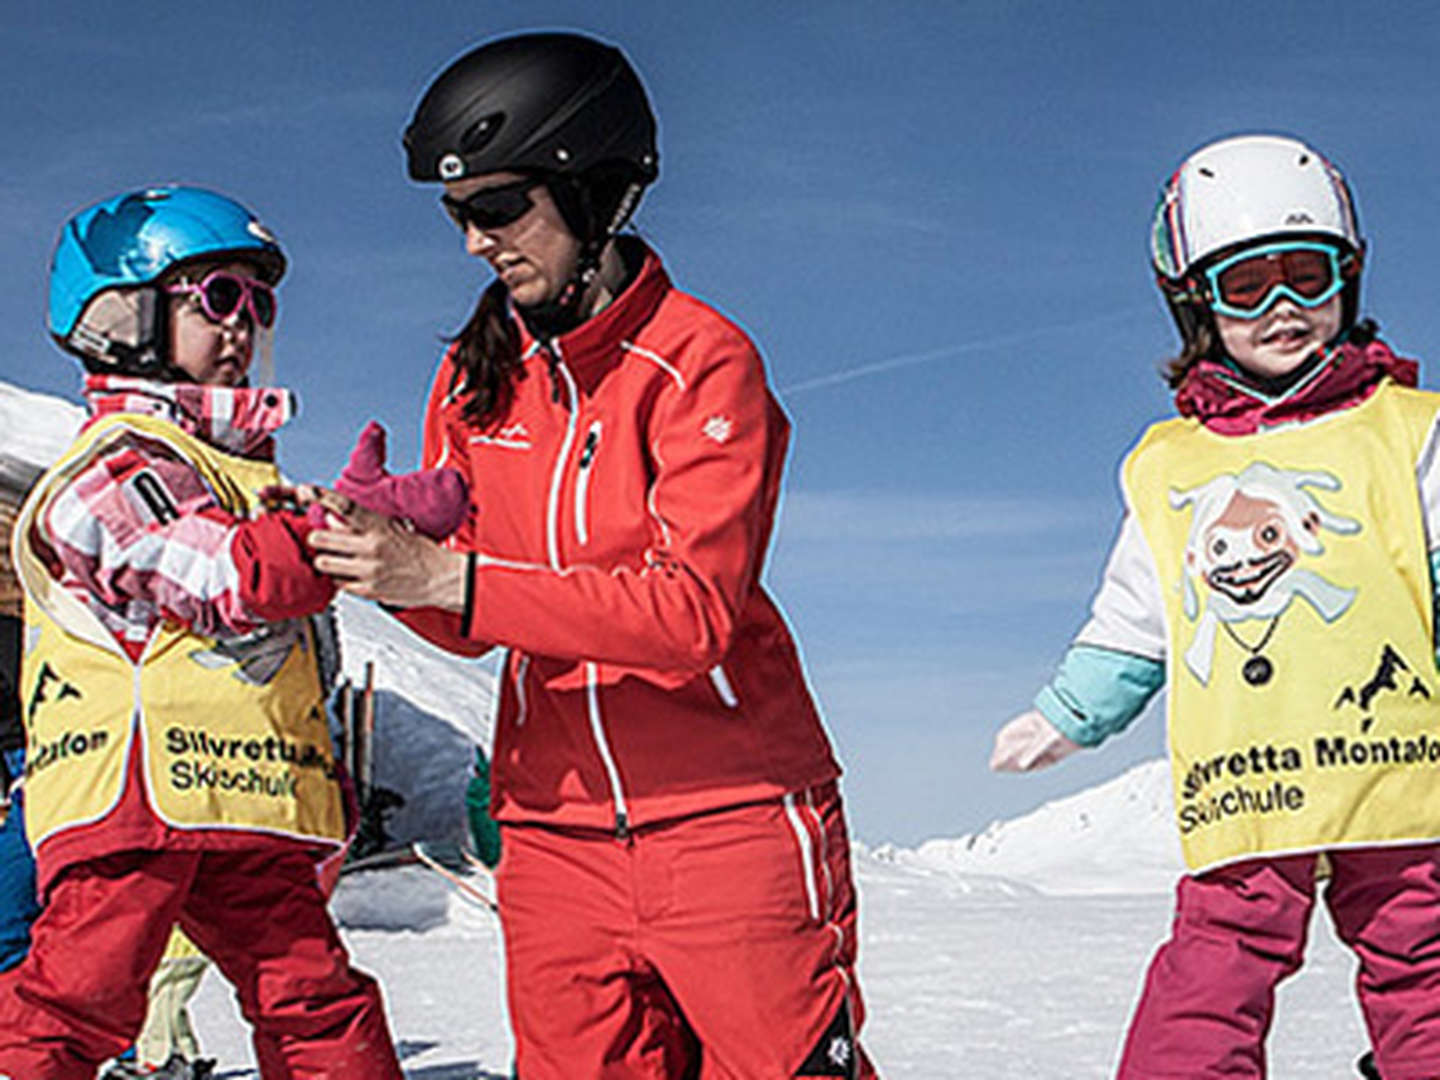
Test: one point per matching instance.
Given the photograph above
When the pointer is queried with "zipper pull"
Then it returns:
(622, 826)
(587, 455)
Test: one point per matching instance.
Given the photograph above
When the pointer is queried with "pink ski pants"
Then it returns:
(1210, 991)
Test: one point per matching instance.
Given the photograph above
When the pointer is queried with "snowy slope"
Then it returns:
(34, 429)
(1117, 837)
(431, 709)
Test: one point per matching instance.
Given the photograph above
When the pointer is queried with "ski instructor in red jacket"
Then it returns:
(675, 882)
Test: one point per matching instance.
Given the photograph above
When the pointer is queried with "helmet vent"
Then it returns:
(1207, 172)
(1304, 159)
(481, 132)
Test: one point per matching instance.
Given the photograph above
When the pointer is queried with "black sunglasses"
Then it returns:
(492, 207)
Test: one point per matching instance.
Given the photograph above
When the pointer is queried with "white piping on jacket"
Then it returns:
(650, 503)
(597, 729)
(522, 705)
(723, 687)
(495, 440)
(658, 360)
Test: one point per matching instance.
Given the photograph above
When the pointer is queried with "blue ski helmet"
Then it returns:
(104, 306)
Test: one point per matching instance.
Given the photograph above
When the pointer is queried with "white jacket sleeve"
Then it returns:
(1117, 662)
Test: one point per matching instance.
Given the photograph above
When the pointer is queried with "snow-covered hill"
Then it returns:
(1117, 837)
(431, 709)
(34, 429)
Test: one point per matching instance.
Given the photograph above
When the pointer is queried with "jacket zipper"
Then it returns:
(552, 540)
(557, 475)
(582, 481)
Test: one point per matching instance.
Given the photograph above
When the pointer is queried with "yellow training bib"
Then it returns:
(1304, 703)
(232, 731)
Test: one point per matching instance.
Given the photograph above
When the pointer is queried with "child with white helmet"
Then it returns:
(1276, 573)
(179, 768)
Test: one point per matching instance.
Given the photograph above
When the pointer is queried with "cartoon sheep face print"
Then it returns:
(1248, 533)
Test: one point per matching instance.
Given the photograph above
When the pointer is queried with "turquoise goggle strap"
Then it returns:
(1339, 264)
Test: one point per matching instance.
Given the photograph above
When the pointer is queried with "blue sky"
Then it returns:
(932, 218)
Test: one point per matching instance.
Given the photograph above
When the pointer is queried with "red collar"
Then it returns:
(597, 337)
(1222, 399)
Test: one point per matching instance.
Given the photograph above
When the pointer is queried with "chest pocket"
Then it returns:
(585, 470)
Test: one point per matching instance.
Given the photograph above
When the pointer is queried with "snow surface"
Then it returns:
(35, 428)
(1116, 837)
(1016, 952)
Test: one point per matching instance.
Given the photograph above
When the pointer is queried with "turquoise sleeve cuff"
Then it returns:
(1099, 692)
(1435, 599)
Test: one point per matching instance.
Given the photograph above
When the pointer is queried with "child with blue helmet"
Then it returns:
(179, 768)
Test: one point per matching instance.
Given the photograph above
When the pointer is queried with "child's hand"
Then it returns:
(1029, 742)
(435, 501)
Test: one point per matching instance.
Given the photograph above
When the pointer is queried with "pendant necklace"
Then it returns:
(1258, 670)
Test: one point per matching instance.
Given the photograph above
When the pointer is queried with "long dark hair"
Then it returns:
(486, 357)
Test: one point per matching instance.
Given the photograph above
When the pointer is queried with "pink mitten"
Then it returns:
(435, 501)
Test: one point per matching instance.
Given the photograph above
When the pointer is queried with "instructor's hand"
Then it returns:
(381, 558)
(1029, 742)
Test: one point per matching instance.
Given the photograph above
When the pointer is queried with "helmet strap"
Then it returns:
(578, 199)
(562, 314)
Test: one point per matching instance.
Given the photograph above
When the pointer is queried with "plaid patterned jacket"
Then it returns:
(139, 537)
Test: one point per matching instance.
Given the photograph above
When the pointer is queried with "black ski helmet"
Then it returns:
(560, 105)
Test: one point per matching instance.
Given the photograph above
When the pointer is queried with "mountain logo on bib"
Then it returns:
(1393, 675)
(1250, 533)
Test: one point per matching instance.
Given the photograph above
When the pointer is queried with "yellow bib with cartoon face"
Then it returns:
(1304, 702)
(232, 731)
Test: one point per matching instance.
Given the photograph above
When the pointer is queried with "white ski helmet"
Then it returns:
(1239, 191)
(1242, 189)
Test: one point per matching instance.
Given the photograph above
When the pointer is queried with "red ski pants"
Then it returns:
(80, 996)
(718, 947)
(1239, 930)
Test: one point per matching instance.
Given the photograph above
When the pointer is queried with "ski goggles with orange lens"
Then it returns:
(492, 207)
(222, 294)
(1248, 282)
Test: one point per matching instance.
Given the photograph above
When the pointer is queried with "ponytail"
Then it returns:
(486, 357)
